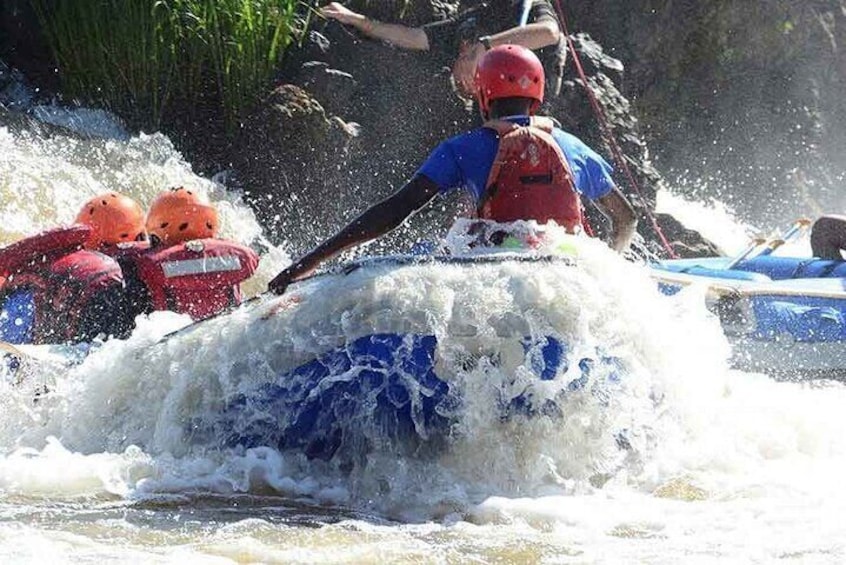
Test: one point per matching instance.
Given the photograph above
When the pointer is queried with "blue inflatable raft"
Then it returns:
(784, 315)
(396, 398)
(362, 358)
(388, 391)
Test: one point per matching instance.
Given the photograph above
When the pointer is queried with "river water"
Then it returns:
(724, 466)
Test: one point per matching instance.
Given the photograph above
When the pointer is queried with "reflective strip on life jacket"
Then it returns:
(201, 266)
(199, 278)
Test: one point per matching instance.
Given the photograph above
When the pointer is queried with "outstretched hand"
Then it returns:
(337, 11)
(280, 282)
(291, 274)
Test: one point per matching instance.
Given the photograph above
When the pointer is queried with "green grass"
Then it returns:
(138, 57)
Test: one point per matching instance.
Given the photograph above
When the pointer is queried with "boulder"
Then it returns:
(742, 100)
(288, 152)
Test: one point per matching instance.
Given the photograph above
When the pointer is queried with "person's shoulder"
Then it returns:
(470, 137)
(566, 135)
(571, 142)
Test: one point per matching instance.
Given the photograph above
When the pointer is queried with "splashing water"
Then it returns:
(111, 463)
(45, 180)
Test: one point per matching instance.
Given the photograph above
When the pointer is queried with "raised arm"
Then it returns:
(533, 36)
(399, 35)
(376, 221)
(622, 215)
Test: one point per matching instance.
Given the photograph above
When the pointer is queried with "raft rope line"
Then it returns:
(608, 135)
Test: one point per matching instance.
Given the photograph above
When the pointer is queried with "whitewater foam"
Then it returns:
(149, 395)
(721, 465)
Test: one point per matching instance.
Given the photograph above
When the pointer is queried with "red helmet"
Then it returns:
(509, 71)
(114, 218)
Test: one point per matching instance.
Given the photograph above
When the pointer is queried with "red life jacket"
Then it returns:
(530, 178)
(200, 278)
(85, 297)
(128, 250)
(74, 290)
(26, 253)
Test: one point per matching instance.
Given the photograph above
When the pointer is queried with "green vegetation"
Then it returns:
(138, 57)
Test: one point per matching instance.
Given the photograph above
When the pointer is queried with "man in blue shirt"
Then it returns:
(515, 167)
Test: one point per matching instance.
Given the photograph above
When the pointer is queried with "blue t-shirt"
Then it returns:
(465, 161)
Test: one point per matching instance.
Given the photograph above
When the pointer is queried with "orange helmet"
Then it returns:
(114, 218)
(181, 214)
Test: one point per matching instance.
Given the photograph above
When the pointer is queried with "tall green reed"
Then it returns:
(138, 57)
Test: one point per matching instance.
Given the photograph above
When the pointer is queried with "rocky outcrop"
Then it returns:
(404, 105)
(737, 99)
(741, 99)
(686, 243)
(288, 150)
(401, 107)
(574, 110)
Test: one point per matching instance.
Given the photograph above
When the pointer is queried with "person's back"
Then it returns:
(510, 88)
(518, 166)
(530, 178)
